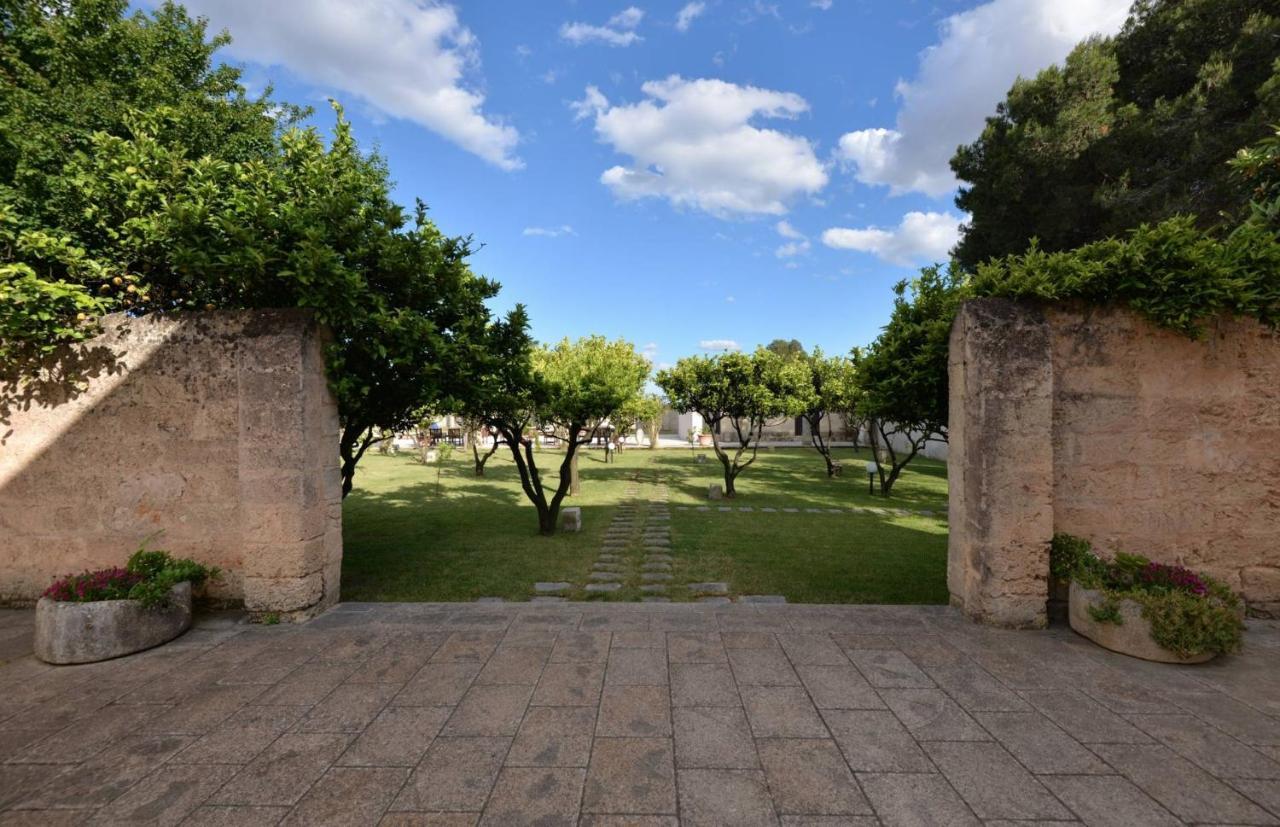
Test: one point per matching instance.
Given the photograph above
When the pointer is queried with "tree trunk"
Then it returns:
(575, 484)
(355, 440)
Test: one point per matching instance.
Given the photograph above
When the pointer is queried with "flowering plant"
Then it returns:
(147, 578)
(105, 584)
(1190, 613)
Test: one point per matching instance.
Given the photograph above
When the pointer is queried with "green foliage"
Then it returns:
(1171, 272)
(587, 381)
(160, 572)
(786, 348)
(1068, 555)
(1190, 613)
(1108, 611)
(1190, 625)
(901, 386)
(1129, 130)
(1259, 169)
(736, 394)
(137, 175)
(567, 390)
(831, 387)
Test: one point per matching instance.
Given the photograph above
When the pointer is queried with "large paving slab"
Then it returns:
(637, 714)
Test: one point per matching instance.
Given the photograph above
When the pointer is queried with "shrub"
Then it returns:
(147, 578)
(1190, 613)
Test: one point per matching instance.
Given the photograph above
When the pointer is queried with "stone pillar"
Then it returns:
(1001, 463)
(290, 483)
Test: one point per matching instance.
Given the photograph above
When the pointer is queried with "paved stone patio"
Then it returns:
(636, 714)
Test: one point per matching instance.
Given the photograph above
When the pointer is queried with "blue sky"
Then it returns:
(687, 175)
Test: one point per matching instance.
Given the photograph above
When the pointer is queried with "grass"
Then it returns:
(408, 537)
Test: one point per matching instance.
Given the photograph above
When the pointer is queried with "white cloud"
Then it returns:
(549, 232)
(798, 243)
(684, 18)
(619, 31)
(785, 230)
(719, 344)
(961, 79)
(693, 143)
(825, 5)
(921, 238)
(405, 59)
(650, 351)
(628, 18)
(592, 104)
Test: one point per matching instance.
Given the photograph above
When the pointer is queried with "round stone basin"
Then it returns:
(1132, 637)
(68, 632)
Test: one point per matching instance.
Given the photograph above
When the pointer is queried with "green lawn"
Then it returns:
(408, 538)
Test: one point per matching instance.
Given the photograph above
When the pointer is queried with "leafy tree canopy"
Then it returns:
(137, 176)
(1131, 129)
(740, 391)
(567, 390)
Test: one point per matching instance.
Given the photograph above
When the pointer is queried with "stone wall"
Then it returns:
(1094, 422)
(216, 430)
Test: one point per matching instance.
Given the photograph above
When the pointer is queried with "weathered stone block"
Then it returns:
(217, 428)
(715, 492)
(571, 519)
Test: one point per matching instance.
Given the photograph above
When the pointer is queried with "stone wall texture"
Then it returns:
(1094, 422)
(217, 430)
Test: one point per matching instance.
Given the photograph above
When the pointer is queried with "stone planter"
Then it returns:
(704, 440)
(1132, 637)
(69, 632)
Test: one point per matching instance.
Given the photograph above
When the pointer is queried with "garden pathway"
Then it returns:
(633, 714)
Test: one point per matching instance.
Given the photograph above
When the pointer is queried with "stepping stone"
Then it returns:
(547, 600)
(682, 508)
(657, 558)
(603, 587)
(491, 600)
(703, 508)
(724, 508)
(607, 576)
(834, 511)
(549, 588)
(648, 599)
(716, 600)
(653, 588)
(709, 588)
(656, 566)
(607, 567)
(791, 510)
(762, 598)
(769, 510)
(606, 557)
(746, 508)
(813, 511)
(652, 576)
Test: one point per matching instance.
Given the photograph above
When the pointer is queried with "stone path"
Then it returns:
(630, 714)
(870, 510)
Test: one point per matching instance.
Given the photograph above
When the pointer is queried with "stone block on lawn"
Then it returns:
(715, 492)
(604, 576)
(709, 588)
(571, 519)
(550, 588)
(654, 576)
(603, 587)
(762, 598)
